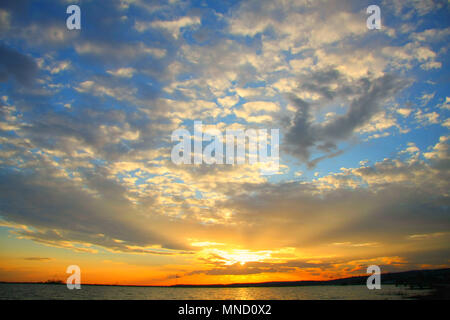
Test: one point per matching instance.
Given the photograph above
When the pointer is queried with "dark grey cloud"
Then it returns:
(383, 203)
(86, 126)
(15, 64)
(327, 266)
(61, 211)
(363, 97)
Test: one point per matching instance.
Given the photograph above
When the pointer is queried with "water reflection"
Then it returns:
(46, 291)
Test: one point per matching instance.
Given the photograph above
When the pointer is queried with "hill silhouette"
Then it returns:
(415, 279)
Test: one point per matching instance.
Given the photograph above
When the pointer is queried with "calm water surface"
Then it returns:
(49, 291)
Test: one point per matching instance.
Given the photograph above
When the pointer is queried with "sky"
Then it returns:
(86, 118)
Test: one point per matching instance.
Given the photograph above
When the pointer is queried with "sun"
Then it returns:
(244, 256)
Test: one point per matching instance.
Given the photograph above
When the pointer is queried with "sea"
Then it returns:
(99, 292)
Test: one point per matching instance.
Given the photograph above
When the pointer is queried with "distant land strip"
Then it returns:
(414, 278)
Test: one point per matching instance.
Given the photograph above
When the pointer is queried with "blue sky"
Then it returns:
(87, 116)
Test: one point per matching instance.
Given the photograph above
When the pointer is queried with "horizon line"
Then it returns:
(235, 284)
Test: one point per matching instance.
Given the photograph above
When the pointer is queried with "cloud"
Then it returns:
(123, 72)
(431, 35)
(404, 112)
(74, 215)
(5, 20)
(97, 89)
(307, 268)
(405, 9)
(118, 51)
(13, 63)
(257, 111)
(172, 26)
(365, 98)
(427, 236)
(38, 259)
(431, 65)
(426, 118)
